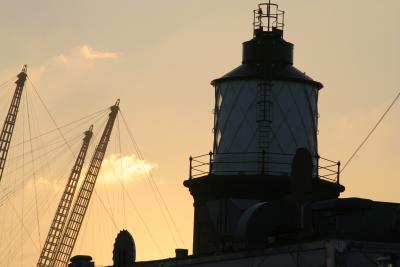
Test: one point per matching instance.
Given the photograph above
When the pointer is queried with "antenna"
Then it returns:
(268, 18)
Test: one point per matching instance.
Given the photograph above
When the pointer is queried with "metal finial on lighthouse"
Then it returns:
(268, 18)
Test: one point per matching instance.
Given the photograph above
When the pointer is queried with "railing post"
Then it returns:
(262, 161)
(318, 157)
(210, 163)
(190, 167)
(338, 172)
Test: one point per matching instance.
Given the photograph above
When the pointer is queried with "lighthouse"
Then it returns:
(265, 138)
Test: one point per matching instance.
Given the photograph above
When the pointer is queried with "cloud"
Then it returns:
(62, 59)
(37, 72)
(127, 168)
(91, 54)
(115, 168)
(43, 183)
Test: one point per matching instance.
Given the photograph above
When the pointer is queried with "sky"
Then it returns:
(159, 57)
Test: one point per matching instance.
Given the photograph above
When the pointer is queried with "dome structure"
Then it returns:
(124, 252)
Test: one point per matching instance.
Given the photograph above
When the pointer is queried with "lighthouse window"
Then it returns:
(218, 136)
(219, 99)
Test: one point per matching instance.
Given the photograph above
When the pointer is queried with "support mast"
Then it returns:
(9, 123)
(70, 235)
(60, 218)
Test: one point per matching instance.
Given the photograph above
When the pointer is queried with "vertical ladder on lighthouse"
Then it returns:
(73, 226)
(264, 121)
(9, 122)
(60, 218)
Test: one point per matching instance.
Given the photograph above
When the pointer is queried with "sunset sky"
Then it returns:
(159, 57)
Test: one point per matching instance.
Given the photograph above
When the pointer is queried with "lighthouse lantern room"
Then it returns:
(265, 109)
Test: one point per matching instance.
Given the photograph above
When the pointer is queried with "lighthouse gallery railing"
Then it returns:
(235, 165)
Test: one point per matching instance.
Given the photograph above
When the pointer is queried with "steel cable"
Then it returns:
(370, 132)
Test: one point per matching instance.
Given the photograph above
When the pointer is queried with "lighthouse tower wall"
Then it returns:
(263, 122)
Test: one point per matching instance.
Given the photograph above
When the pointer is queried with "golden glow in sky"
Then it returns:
(159, 57)
(126, 167)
